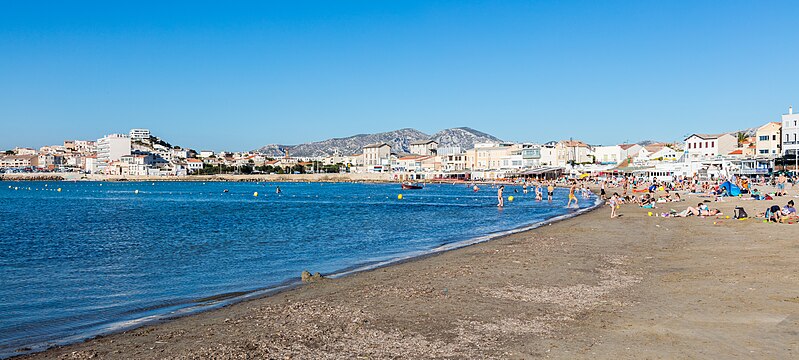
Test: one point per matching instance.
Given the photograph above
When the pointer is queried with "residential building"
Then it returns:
(487, 156)
(377, 157)
(768, 141)
(424, 147)
(111, 148)
(615, 154)
(194, 165)
(655, 153)
(573, 151)
(549, 154)
(139, 134)
(24, 151)
(705, 146)
(790, 133)
(19, 161)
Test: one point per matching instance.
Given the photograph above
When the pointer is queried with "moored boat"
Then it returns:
(412, 186)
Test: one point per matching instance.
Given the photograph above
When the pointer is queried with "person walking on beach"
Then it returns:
(572, 189)
(500, 196)
(602, 190)
(550, 191)
(614, 205)
(781, 185)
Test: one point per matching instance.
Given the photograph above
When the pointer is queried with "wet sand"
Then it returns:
(588, 287)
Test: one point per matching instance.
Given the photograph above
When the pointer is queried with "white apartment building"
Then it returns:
(615, 154)
(139, 134)
(705, 146)
(790, 132)
(111, 148)
(549, 154)
(194, 165)
(768, 141)
(424, 147)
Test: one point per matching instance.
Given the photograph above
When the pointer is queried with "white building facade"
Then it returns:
(790, 133)
(111, 148)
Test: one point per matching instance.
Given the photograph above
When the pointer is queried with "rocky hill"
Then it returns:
(399, 140)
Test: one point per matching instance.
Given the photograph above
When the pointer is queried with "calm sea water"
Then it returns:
(97, 256)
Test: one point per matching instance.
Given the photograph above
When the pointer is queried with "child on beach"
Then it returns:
(614, 205)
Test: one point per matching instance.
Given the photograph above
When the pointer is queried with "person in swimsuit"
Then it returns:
(500, 196)
(572, 189)
(550, 191)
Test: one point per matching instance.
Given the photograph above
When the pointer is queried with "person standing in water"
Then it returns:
(278, 191)
(550, 191)
(572, 189)
(500, 196)
(538, 192)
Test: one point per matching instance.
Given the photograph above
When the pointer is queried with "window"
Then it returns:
(763, 137)
(774, 137)
(712, 143)
(764, 151)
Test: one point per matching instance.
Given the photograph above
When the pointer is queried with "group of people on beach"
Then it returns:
(538, 188)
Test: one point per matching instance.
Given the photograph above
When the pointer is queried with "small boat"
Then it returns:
(412, 186)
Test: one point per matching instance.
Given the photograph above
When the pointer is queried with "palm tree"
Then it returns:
(741, 139)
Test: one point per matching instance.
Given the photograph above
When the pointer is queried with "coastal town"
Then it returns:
(758, 151)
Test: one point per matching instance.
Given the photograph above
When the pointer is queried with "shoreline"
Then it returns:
(587, 287)
(220, 301)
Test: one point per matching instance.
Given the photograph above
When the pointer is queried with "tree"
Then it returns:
(741, 139)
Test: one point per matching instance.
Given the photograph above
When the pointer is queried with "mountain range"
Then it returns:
(400, 141)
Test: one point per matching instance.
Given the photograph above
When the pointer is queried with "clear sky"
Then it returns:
(216, 75)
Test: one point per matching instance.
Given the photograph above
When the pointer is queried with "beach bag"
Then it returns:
(739, 213)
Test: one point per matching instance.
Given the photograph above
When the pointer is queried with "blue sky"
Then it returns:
(212, 75)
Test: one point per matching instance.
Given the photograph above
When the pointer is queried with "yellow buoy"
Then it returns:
(255, 194)
(399, 197)
(59, 190)
(510, 198)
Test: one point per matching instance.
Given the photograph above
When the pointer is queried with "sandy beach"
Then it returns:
(588, 287)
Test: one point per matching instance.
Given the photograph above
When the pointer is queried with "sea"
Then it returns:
(80, 259)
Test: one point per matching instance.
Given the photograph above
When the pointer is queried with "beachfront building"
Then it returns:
(19, 161)
(424, 147)
(615, 154)
(139, 134)
(654, 153)
(90, 164)
(111, 148)
(549, 154)
(706, 146)
(487, 156)
(453, 162)
(790, 133)
(377, 157)
(768, 140)
(194, 165)
(573, 152)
